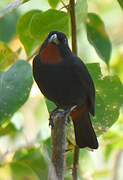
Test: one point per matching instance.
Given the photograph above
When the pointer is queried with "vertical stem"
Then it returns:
(73, 26)
(116, 165)
(74, 50)
(75, 163)
(58, 135)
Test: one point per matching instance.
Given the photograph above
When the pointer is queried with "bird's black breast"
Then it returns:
(58, 82)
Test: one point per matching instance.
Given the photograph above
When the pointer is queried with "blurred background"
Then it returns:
(31, 120)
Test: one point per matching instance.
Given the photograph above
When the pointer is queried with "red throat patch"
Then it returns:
(50, 54)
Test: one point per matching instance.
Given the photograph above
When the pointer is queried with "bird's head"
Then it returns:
(54, 48)
(57, 38)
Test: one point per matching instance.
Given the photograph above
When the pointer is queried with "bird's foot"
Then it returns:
(65, 114)
(56, 112)
(52, 114)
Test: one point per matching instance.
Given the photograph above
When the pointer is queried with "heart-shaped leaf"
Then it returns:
(53, 3)
(109, 98)
(47, 21)
(98, 37)
(15, 85)
(24, 34)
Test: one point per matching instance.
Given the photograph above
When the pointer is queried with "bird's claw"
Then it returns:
(52, 115)
(65, 114)
(67, 117)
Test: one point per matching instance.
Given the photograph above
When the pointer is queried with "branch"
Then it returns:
(74, 50)
(73, 26)
(11, 7)
(58, 134)
(64, 6)
(116, 165)
(75, 163)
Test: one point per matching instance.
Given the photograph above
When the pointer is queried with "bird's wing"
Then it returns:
(86, 81)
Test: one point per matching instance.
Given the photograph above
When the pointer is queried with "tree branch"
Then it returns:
(74, 50)
(58, 135)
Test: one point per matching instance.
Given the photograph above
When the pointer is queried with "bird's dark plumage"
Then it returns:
(64, 79)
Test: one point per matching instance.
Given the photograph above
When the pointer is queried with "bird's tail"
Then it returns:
(84, 132)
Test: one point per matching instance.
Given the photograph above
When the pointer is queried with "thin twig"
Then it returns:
(64, 5)
(75, 163)
(74, 50)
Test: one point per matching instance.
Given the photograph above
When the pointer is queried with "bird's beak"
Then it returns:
(54, 39)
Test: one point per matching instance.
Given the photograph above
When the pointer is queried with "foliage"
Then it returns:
(16, 84)
(20, 76)
(121, 3)
(96, 33)
(23, 29)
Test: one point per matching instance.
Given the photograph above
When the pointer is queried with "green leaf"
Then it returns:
(7, 56)
(109, 99)
(22, 171)
(34, 159)
(24, 32)
(17, 171)
(15, 85)
(81, 12)
(47, 21)
(53, 3)
(8, 22)
(98, 37)
(121, 3)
